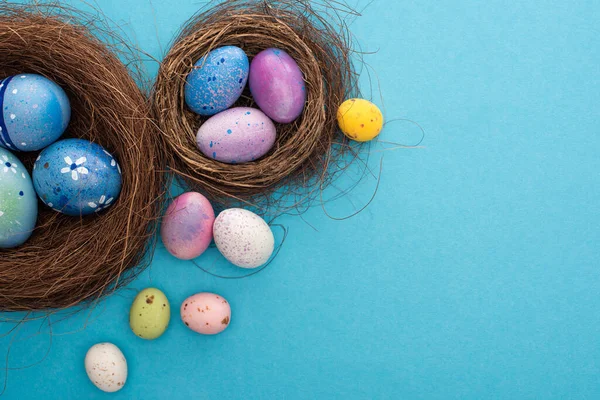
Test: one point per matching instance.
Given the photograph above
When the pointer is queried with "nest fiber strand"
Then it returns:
(307, 153)
(71, 260)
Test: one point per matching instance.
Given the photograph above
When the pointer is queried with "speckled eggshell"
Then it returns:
(106, 367)
(277, 85)
(150, 314)
(239, 135)
(77, 177)
(360, 119)
(18, 202)
(187, 226)
(243, 238)
(217, 80)
(35, 112)
(206, 313)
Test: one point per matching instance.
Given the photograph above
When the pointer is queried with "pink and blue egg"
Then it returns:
(237, 135)
(77, 177)
(277, 85)
(217, 80)
(187, 227)
(35, 112)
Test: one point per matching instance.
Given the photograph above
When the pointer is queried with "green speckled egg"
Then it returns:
(150, 314)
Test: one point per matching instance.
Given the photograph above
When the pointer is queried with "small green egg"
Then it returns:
(150, 314)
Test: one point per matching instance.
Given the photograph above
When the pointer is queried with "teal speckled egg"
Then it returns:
(18, 202)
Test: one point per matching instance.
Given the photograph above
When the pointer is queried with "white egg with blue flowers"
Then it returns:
(77, 177)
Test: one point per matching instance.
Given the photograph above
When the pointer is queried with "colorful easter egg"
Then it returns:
(237, 135)
(360, 119)
(150, 314)
(206, 313)
(187, 226)
(277, 85)
(244, 238)
(18, 203)
(217, 80)
(35, 112)
(77, 177)
(106, 367)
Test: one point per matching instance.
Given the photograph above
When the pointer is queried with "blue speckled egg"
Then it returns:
(217, 80)
(18, 203)
(35, 112)
(77, 177)
(238, 135)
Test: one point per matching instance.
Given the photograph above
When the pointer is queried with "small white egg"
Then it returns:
(106, 367)
(244, 238)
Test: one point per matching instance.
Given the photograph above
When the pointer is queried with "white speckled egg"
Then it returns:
(106, 367)
(243, 238)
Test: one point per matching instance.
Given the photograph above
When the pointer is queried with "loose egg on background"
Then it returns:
(18, 202)
(217, 80)
(150, 314)
(237, 135)
(106, 367)
(206, 313)
(277, 85)
(35, 112)
(186, 228)
(77, 177)
(243, 238)
(360, 119)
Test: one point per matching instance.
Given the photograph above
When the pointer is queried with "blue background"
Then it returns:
(473, 274)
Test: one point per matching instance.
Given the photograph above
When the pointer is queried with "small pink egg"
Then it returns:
(187, 226)
(206, 313)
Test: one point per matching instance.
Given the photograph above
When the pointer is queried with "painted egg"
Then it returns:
(77, 177)
(206, 313)
(217, 80)
(277, 85)
(237, 135)
(18, 203)
(35, 112)
(187, 226)
(149, 314)
(106, 367)
(243, 238)
(360, 119)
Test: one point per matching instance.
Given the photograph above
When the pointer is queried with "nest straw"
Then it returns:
(308, 152)
(70, 260)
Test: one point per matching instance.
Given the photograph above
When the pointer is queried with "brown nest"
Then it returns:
(72, 260)
(308, 152)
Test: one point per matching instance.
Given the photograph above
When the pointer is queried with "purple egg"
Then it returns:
(237, 135)
(277, 85)
(187, 226)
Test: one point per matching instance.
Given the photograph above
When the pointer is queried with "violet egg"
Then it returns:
(187, 226)
(277, 85)
(238, 135)
(206, 313)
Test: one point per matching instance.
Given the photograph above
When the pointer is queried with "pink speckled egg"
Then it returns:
(206, 313)
(187, 226)
(237, 135)
(244, 238)
(277, 85)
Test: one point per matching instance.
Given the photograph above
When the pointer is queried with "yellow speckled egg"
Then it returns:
(360, 119)
(150, 314)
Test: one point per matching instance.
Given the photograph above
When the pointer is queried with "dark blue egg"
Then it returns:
(217, 80)
(35, 112)
(77, 177)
